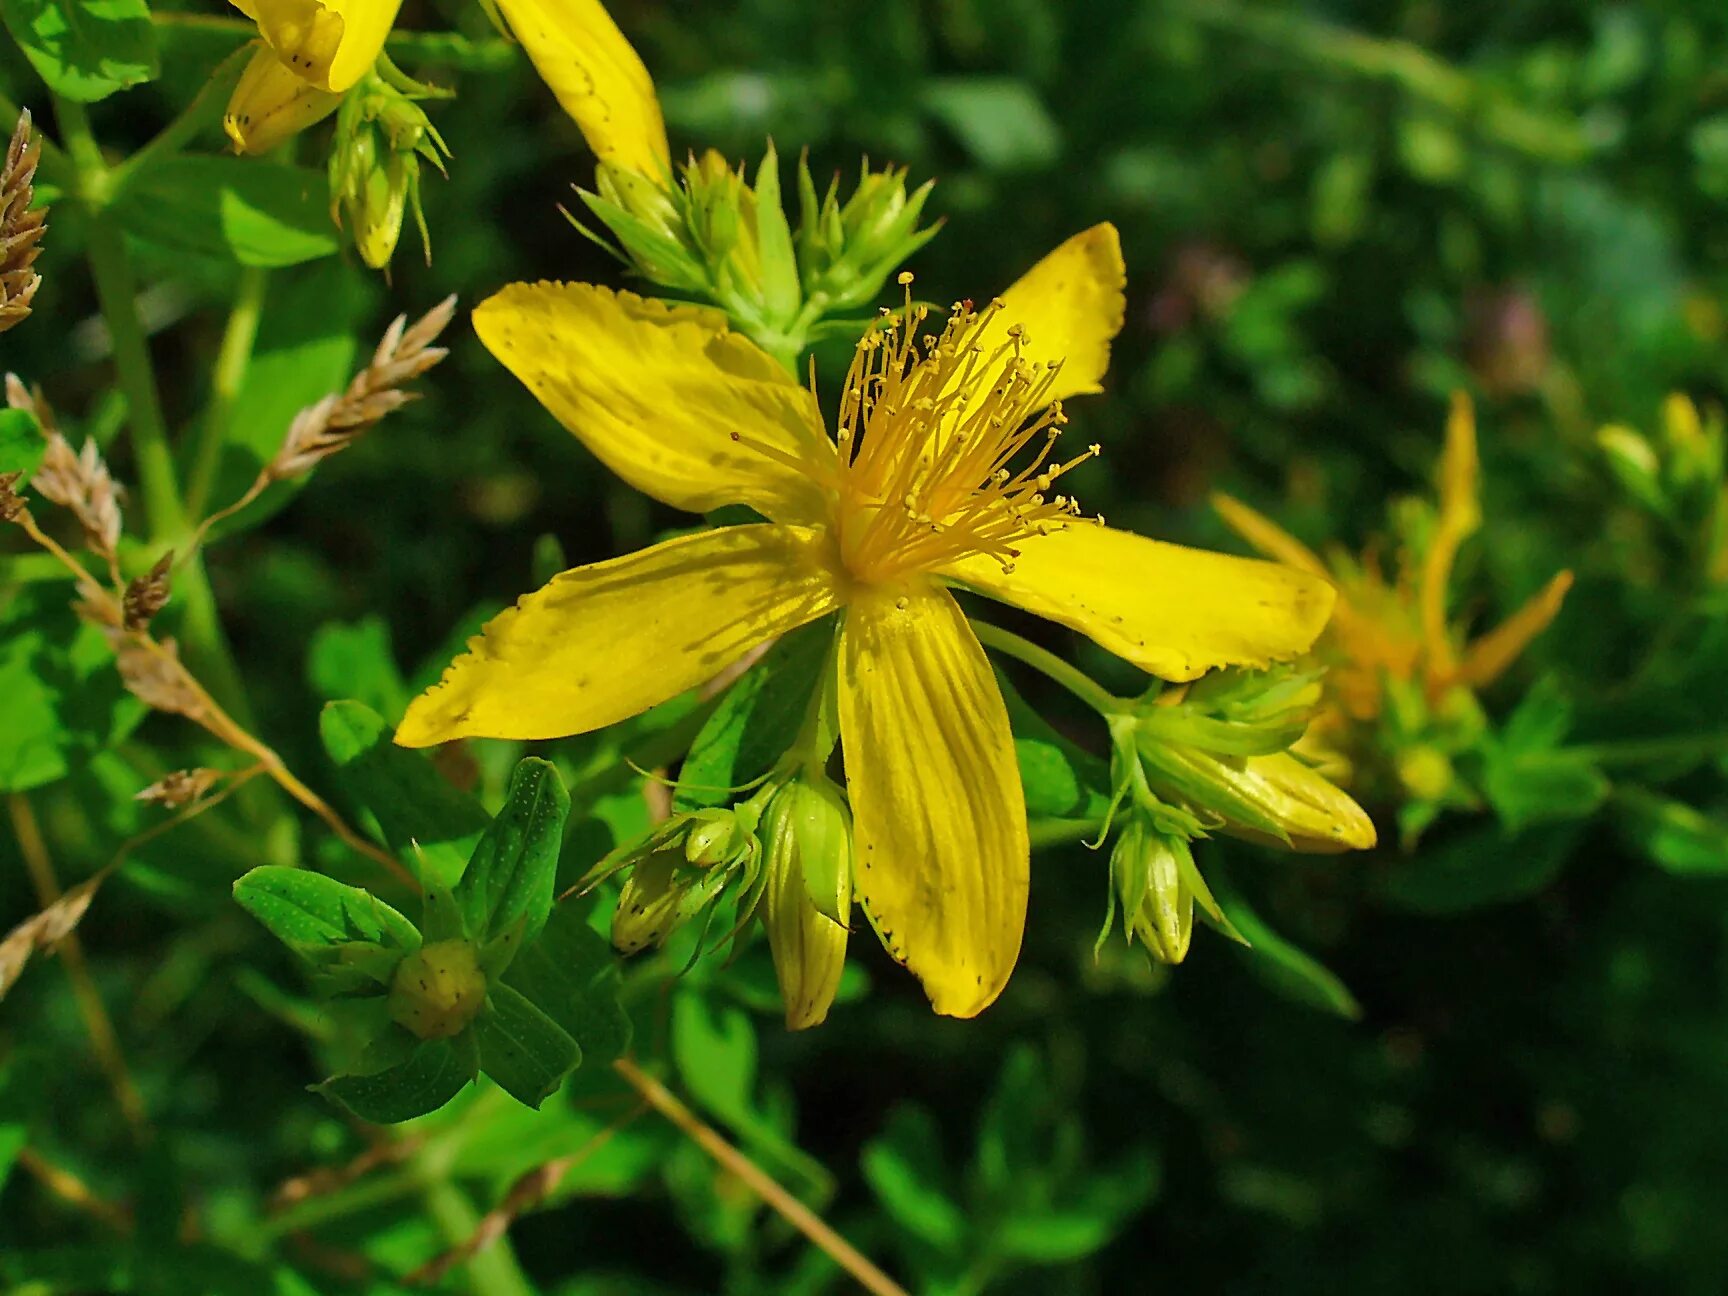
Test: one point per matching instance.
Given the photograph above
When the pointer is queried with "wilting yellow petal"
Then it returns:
(330, 43)
(1172, 611)
(1266, 535)
(941, 858)
(1490, 655)
(1071, 305)
(666, 396)
(1460, 515)
(598, 78)
(601, 643)
(271, 103)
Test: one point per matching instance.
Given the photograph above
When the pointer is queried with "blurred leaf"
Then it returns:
(1527, 777)
(353, 659)
(1061, 780)
(758, 719)
(714, 1046)
(230, 208)
(509, 878)
(433, 1074)
(1482, 864)
(21, 445)
(85, 49)
(1673, 835)
(570, 974)
(1291, 972)
(432, 827)
(903, 1166)
(64, 700)
(523, 1049)
(1001, 122)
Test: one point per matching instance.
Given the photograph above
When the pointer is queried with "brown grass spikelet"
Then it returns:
(44, 930)
(147, 595)
(182, 787)
(82, 484)
(336, 422)
(21, 228)
(153, 674)
(11, 502)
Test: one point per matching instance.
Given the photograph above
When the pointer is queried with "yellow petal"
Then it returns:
(1460, 515)
(940, 852)
(1071, 305)
(599, 644)
(1266, 535)
(329, 43)
(584, 58)
(1490, 655)
(666, 396)
(1172, 611)
(271, 103)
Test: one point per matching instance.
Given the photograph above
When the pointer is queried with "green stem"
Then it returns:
(1059, 832)
(27, 569)
(232, 362)
(205, 109)
(1645, 751)
(1074, 680)
(111, 269)
(449, 49)
(493, 1271)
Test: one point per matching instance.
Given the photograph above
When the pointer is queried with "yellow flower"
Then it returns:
(312, 52)
(329, 44)
(916, 493)
(598, 78)
(1398, 630)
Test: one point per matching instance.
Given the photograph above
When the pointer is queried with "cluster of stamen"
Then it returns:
(930, 428)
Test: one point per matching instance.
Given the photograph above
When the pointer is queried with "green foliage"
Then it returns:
(229, 209)
(85, 49)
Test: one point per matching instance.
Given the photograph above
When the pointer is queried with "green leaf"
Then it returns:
(903, 1167)
(1001, 122)
(21, 445)
(570, 974)
(714, 1046)
(1480, 865)
(350, 936)
(756, 722)
(1061, 779)
(353, 659)
(523, 1049)
(64, 701)
(1289, 971)
(85, 49)
(433, 1074)
(432, 827)
(231, 209)
(1672, 835)
(509, 878)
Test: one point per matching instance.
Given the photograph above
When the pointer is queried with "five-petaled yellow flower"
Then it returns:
(312, 51)
(939, 476)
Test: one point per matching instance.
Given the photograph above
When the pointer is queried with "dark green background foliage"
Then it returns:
(1333, 215)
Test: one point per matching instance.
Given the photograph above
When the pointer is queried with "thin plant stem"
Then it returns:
(1647, 751)
(204, 109)
(492, 1272)
(232, 361)
(104, 1041)
(69, 1188)
(1039, 659)
(788, 1207)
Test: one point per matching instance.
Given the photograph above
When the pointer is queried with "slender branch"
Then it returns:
(1074, 680)
(493, 1272)
(204, 109)
(104, 1041)
(68, 1187)
(788, 1207)
(1646, 751)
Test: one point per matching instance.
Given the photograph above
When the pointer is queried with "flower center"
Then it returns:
(930, 431)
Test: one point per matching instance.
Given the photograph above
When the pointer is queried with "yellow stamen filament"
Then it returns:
(927, 443)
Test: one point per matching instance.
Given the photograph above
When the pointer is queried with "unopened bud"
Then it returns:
(272, 103)
(808, 899)
(438, 990)
(714, 837)
(1149, 871)
(1274, 796)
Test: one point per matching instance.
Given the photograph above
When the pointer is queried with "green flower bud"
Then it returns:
(1273, 797)
(438, 990)
(846, 251)
(1237, 712)
(714, 837)
(382, 134)
(807, 901)
(682, 869)
(1150, 873)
